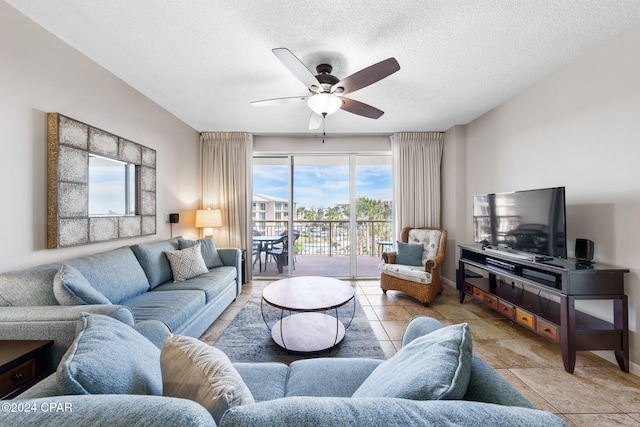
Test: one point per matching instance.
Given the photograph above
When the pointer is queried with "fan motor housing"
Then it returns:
(324, 75)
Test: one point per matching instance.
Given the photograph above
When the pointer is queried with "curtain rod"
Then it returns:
(328, 135)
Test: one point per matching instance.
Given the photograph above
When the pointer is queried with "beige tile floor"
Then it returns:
(596, 394)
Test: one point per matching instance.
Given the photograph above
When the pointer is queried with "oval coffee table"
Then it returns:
(307, 328)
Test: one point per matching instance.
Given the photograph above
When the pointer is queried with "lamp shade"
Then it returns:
(208, 218)
(324, 103)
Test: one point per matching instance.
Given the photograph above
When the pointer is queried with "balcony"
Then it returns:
(324, 247)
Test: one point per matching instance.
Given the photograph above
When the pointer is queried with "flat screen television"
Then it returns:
(531, 221)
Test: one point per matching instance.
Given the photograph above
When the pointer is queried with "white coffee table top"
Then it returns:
(308, 293)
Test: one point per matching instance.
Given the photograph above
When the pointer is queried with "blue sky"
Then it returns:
(107, 189)
(322, 186)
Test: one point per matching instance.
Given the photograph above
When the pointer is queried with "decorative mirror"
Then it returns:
(100, 186)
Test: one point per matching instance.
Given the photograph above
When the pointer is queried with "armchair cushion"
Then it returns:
(432, 367)
(406, 272)
(430, 239)
(410, 253)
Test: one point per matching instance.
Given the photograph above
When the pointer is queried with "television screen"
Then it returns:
(528, 221)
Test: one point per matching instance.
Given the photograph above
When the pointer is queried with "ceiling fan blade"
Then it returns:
(297, 68)
(366, 76)
(315, 121)
(360, 108)
(279, 101)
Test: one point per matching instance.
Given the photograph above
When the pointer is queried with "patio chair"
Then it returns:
(415, 268)
(280, 250)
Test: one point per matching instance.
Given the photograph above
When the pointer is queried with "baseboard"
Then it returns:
(448, 282)
(610, 357)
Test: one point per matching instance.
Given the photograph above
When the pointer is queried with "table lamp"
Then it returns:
(207, 219)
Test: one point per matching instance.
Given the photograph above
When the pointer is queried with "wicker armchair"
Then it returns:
(421, 286)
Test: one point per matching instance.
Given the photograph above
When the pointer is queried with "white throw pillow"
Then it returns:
(187, 263)
(194, 370)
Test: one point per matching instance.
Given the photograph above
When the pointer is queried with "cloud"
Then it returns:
(322, 185)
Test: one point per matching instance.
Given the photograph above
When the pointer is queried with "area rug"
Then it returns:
(247, 338)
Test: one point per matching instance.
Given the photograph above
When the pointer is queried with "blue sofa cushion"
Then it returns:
(409, 254)
(266, 380)
(116, 274)
(487, 385)
(153, 260)
(71, 288)
(208, 248)
(194, 370)
(212, 283)
(30, 287)
(317, 376)
(367, 412)
(174, 308)
(109, 357)
(432, 367)
(186, 263)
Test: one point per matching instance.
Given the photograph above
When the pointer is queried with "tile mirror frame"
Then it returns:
(69, 146)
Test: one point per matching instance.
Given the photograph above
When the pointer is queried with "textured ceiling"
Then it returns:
(206, 60)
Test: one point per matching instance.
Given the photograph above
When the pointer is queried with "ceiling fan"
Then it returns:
(326, 90)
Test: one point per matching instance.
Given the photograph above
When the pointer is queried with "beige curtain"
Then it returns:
(416, 178)
(225, 167)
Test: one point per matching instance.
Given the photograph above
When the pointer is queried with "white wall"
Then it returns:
(40, 74)
(579, 128)
(274, 144)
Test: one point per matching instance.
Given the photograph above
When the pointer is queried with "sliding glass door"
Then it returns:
(321, 198)
(335, 211)
(373, 212)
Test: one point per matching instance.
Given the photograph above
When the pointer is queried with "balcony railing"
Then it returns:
(330, 237)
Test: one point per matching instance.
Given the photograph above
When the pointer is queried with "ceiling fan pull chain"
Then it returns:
(324, 116)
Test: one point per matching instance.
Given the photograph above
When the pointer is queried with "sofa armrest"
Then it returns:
(53, 322)
(153, 330)
(53, 313)
(233, 257)
(487, 385)
(105, 410)
(230, 256)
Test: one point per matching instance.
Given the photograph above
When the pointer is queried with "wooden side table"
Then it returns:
(22, 364)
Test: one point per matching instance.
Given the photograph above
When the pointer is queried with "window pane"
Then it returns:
(373, 209)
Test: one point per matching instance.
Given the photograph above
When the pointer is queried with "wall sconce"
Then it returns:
(174, 218)
(208, 219)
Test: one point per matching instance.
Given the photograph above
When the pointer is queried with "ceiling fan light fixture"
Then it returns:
(324, 103)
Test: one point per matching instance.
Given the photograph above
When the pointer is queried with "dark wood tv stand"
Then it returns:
(541, 296)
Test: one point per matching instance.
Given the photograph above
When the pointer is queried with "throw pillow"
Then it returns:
(209, 252)
(70, 287)
(409, 254)
(194, 370)
(109, 357)
(432, 367)
(187, 263)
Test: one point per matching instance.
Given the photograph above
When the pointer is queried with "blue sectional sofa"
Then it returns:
(451, 387)
(133, 284)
